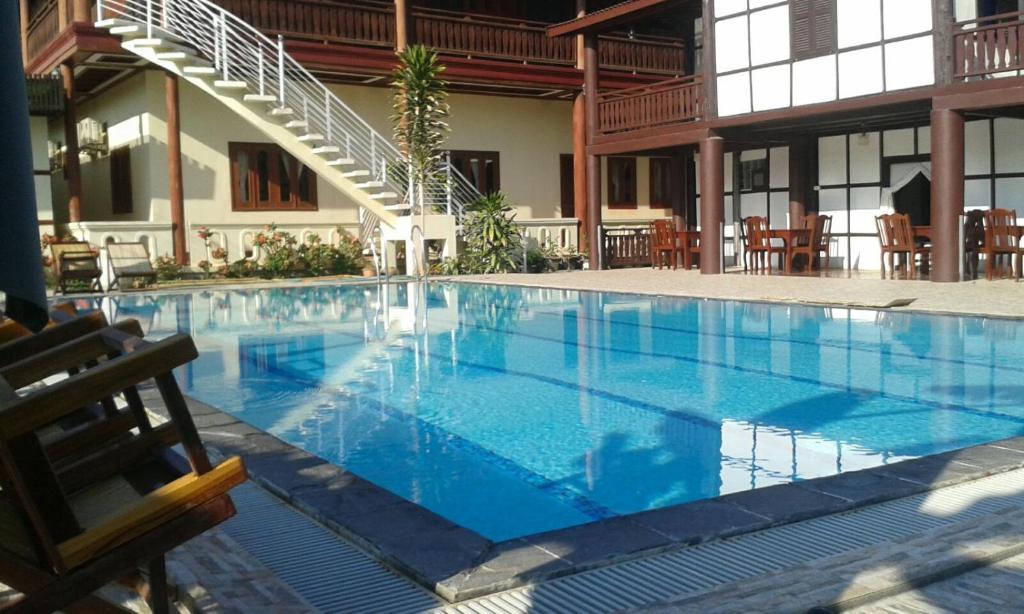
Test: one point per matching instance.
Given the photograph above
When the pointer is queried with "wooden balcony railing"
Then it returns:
(43, 27)
(626, 246)
(647, 54)
(989, 46)
(45, 94)
(648, 106)
(363, 23)
(491, 37)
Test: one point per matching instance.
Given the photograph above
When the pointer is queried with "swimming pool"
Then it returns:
(512, 411)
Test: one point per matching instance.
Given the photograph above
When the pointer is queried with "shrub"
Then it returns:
(280, 256)
(493, 241)
(167, 268)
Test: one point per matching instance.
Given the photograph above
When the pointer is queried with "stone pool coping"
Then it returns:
(459, 564)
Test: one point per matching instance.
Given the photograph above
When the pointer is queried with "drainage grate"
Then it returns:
(320, 566)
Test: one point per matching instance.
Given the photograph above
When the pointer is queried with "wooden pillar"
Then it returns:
(82, 11)
(947, 193)
(23, 18)
(712, 204)
(942, 40)
(590, 77)
(581, 10)
(175, 188)
(798, 184)
(402, 38)
(680, 180)
(579, 166)
(72, 167)
(62, 14)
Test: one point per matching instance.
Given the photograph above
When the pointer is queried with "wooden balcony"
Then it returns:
(988, 47)
(650, 106)
(43, 28)
(485, 37)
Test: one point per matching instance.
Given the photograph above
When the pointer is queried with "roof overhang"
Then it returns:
(611, 17)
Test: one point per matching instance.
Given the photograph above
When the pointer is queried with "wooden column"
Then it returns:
(581, 11)
(402, 38)
(708, 61)
(942, 40)
(82, 11)
(590, 76)
(23, 18)
(798, 184)
(712, 204)
(72, 167)
(62, 14)
(579, 166)
(175, 189)
(947, 193)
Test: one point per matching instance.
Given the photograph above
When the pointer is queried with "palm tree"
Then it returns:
(419, 102)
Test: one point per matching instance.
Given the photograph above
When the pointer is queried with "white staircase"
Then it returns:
(253, 76)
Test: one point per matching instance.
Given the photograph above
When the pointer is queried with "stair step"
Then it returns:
(354, 174)
(144, 42)
(398, 207)
(341, 162)
(312, 137)
(297, 124)
(174, 56)
(384, 196)
(325, 150)
(106, 24)
(264, 98)
(199, 71)
(282, 112)
(230, 85)
(370, 185)
(128, 30)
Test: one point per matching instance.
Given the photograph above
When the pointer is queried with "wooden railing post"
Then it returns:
(23, 20)
(402, 39)
(82, 11)
(590, 85)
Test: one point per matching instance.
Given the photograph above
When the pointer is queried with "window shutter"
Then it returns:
(813, 31)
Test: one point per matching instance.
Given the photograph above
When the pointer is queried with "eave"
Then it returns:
(611, 17)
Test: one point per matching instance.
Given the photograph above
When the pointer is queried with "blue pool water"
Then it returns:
(518, 410)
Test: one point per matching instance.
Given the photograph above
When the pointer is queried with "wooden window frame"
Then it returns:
(615, 164)
(121, 181)
(813, 12)
(273, 202)
(493, 156)
(666, 187)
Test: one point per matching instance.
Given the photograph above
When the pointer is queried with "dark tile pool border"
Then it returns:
(459, 564)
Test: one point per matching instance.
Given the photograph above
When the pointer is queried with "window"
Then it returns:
(121, 180)
(481, 168)
(754, 175)
(661, 183)
(813, 28)
(264, 177)
(567, 178)
(622, 183)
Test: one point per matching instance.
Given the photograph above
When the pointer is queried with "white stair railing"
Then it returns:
(243, 57)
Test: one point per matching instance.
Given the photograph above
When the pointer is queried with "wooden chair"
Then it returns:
(896, 238)
(810, 246)
(974, 241)
(1002, 240)
(745, 243)
(663, 240)
(691, 250)
(92, 509)
(76, 261)
(759, 244)
(129, 260)
(825, 241)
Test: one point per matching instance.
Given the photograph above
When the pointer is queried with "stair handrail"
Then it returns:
(241, 52)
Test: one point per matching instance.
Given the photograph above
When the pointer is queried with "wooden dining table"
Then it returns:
(789, 237)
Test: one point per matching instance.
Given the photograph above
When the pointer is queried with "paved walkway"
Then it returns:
(996, 298)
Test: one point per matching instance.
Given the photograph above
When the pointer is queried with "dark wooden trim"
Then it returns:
(608, 18)
(667, 188)
(708, 64)
(76, 40)
(947, 128)
(273, 202)
(121, 180)
(623, 170)
(817, 48)
(175, 188)
(458, 155)
(942, 38)
(566, 185)
(72, 165)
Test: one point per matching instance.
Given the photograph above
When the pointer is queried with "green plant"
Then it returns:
(241, 268)
(493, 241)
(167, 268)
(280, 256)
(537, 261)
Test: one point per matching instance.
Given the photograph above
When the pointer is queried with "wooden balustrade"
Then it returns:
(989, 46)
(365, 23)
(491, 37)
(668, 102)
(650, 54)
(43, 27)
(626, 246)
(45, 94)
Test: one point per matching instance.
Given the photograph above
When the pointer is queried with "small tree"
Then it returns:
(493, 241)
(420, 112)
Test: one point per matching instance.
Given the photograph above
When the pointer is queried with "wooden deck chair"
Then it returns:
(73, 522)
(76, 261)
(129, 260)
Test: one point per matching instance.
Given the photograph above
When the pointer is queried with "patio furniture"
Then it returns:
(809, 244)
(759, 244)
(129, 260)
(974, 241)
(745, 243)
(896, 238)
(76, 261)
(690, 242)
(1002, 240)
(92, 510)
(663, 240)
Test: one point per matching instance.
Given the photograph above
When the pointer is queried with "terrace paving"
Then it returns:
(1000, 298)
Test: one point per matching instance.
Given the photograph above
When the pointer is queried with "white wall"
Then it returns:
(755, 70)
(39, 130)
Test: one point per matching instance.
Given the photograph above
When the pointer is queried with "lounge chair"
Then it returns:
(93, 509)
(128, 260)
(76, 261)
